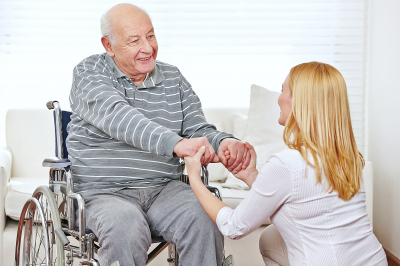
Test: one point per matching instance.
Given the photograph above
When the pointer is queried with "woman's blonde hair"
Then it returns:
(320, 123)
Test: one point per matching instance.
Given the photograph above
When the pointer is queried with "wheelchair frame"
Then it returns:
(52, 208)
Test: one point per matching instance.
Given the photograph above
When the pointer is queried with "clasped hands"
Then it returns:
(232, 153)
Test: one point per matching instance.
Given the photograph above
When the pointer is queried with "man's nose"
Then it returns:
(145, 46)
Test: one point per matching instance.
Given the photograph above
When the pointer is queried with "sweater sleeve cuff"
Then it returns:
(220, 137)
(168, 144)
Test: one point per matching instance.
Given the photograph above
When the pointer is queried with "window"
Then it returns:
(222, 47)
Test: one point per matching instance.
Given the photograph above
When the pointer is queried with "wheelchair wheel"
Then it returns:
(37, 242)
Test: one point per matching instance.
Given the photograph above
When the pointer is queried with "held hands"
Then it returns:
(234, 155)
(189, 147)
(249, 174)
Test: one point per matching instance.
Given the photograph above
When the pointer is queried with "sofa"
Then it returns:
(30, 139)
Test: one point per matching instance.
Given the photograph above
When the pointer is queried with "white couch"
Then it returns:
(30, 139)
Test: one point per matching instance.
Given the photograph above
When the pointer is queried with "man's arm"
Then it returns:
(95, 98)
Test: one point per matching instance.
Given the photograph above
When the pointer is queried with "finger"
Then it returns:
(200, 153)
(251, 148)
(206, 156)
(237, 169)
(246, 160)
(239, 156)
(221, 156)
(212, 154)
(215, 159)
(232, 160)
(227, 152)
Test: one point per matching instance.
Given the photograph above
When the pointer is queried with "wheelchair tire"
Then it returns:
(36, 231)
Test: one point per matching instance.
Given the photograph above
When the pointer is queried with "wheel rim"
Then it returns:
(37, 236)
(36, 241)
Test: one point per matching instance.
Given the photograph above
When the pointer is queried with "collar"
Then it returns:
(152, 79)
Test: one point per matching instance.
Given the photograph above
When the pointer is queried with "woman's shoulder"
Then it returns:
(290, 159)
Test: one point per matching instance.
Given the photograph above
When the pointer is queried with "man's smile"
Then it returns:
(144, 59)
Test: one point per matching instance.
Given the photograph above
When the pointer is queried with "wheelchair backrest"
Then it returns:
(65, 119)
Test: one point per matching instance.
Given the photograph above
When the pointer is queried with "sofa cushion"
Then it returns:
(30, 137)
(239, 123)
(263, 130)
(234, 183)
(19, 191)
(217, 172)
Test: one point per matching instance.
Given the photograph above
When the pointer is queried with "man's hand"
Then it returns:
(193, 164)
(189, 147)
(234, 155)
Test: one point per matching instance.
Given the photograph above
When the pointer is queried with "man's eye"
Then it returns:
(151, 36)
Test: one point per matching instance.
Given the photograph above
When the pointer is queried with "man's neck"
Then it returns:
(139, 80)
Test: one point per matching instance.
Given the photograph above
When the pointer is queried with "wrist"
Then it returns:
(249, 180)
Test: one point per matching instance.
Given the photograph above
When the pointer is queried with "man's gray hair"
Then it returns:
(106, 27)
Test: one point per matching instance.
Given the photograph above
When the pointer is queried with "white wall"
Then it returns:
(384, 120)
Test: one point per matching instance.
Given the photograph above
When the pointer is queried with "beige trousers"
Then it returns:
(273, 248)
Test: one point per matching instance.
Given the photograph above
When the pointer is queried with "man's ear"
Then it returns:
(107, 45)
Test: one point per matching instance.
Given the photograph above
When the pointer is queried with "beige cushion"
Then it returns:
(234, 183)
(239, 123)
(19, 191)
(263, 130)
(260, 128)
(217, 172)
(30, 137)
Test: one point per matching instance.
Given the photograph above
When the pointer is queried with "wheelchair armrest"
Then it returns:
(215, 191)
(55, 162)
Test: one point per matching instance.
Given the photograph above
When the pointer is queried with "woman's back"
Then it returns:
(318, 227)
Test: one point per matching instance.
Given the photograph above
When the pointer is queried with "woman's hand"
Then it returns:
(193, 164)
(211, 204)
(249, 174)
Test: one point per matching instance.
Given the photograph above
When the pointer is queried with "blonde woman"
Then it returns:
(313, 191)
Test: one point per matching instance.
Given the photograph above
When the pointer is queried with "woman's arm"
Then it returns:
(271, 189)
(211, 204)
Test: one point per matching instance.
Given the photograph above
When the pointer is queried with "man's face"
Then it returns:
(135, 45)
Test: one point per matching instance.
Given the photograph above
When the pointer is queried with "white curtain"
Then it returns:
(221, 46)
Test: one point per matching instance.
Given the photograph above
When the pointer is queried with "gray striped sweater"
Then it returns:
(122, 135)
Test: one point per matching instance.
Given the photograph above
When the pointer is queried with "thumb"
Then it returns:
(200, 152)
(250, 148)
(215, 159)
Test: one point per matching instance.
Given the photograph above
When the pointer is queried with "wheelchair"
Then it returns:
(48, 224)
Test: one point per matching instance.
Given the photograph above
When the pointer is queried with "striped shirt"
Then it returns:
(122, 135)
(318, 227)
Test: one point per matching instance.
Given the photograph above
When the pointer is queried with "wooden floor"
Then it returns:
(392, 259)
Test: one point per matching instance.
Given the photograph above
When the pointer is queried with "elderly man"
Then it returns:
(132, 118)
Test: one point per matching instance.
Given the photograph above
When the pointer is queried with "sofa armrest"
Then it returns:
(5, 174)
(5, 163)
